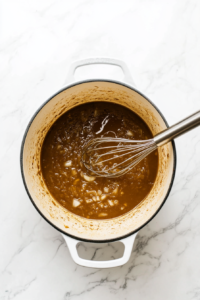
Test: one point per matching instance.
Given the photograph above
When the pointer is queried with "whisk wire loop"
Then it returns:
(113, 157)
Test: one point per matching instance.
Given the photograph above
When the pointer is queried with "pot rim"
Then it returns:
(22, 150)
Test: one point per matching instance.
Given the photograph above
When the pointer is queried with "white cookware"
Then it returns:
(75, 228)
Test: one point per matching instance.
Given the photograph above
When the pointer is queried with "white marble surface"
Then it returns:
(160, 41)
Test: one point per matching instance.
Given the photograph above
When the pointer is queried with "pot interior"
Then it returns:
(65, 221)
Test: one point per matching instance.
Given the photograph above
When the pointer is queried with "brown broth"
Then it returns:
(67, 179)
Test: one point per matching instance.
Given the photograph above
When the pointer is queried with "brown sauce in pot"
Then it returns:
(67, 179)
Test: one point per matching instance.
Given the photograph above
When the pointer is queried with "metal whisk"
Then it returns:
(114, 157)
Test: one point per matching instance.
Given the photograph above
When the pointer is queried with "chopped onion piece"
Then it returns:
(102, 215)
(75, 181)
(76, 202)
(99, 192)
(110, 202)
(88, 178)
(74, 172)
(103, 197)
(115, 191)
(88, 200)
(129, 133)
(68, 163)
(106, 190)
(116, 202)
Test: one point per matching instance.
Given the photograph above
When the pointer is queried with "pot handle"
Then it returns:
(92, 61)
(128, 245)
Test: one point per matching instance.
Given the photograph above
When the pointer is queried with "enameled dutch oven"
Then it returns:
(73, 227)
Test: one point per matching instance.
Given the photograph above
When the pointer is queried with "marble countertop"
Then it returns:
(160, 42)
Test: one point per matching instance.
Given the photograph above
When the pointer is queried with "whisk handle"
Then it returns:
(177, 129)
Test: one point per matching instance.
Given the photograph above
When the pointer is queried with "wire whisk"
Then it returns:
(114, 157)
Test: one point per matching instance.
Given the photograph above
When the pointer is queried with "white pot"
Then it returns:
(73, 227)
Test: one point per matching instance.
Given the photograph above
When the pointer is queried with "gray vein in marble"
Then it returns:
(10, 294)
(25, 244)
